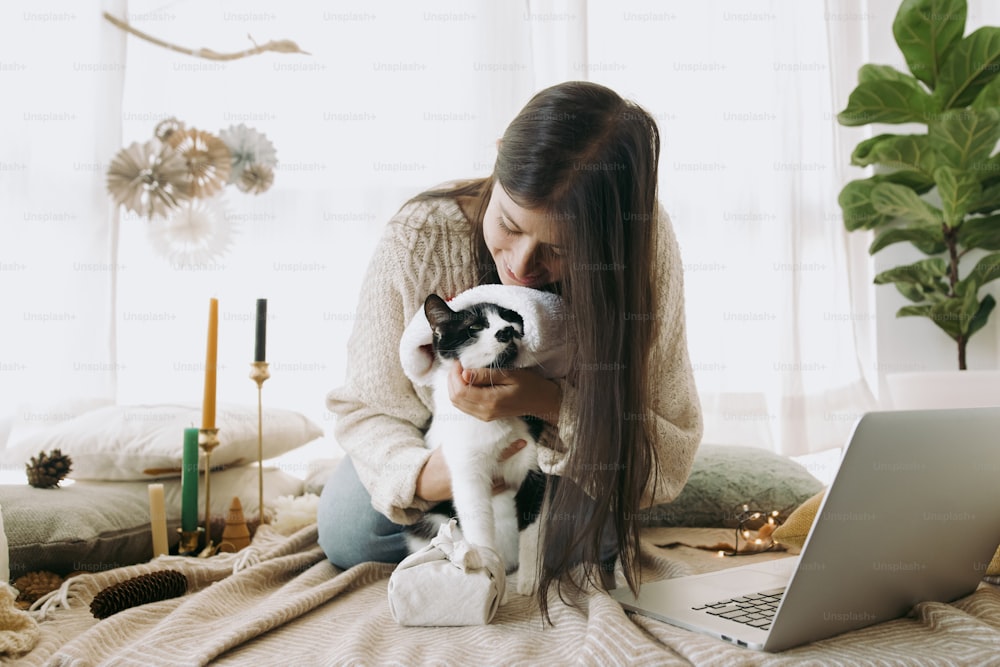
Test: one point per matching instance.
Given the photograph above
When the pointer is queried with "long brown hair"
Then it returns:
(589, 158)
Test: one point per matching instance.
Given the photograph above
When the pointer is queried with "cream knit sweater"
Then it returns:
(381, 416)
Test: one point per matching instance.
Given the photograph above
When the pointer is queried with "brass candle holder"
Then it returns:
(259, 373)
(189, 542)
(208, 439)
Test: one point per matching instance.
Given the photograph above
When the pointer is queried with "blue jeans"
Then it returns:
(351, 531)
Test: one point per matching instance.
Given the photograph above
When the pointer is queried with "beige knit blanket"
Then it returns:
(282, 603)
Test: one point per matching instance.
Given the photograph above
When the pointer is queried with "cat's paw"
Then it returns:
(472, 559)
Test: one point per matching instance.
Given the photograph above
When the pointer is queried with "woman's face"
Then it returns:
(522, 242)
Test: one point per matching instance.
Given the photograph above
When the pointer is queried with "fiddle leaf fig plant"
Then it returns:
(938, 190)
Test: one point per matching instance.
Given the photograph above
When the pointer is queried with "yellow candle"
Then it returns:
(211, 361)
(157, 519)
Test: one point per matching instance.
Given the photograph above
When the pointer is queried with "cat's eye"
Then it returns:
(476, 327)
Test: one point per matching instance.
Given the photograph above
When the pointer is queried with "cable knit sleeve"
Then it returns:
(381, 416)
(676, 410)
(677, 416)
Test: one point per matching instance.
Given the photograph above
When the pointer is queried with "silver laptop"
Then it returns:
(913, 514)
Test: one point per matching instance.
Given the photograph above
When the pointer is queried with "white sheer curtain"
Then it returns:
(394, 97)
(61, 72)
(781, 310)
(398, 96)
(745, 96)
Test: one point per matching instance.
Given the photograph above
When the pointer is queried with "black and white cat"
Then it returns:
(483, 335)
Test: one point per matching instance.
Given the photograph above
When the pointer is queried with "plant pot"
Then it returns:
(943, 389)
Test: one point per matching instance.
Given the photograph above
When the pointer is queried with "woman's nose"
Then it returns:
(525, 265)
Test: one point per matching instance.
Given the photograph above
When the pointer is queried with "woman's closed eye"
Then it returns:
(553, 251)
(506, 229)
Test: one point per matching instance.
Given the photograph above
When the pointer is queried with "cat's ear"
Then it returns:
(437, 311)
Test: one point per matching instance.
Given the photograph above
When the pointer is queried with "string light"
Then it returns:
(747, 516)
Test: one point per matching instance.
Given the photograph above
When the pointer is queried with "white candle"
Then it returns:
(157, 519)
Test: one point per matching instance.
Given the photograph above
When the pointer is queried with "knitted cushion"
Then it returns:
(724, 478)
(795, 529)
(97, 526)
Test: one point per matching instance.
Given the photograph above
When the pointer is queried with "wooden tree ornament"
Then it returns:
(235, 534)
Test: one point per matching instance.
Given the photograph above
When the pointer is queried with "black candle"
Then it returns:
(258, 353)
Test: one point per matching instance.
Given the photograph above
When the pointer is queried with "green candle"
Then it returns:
(189, 481)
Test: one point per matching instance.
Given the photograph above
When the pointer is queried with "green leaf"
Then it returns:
(917, 181)
(989, 172)
(927, 275)
(899, 201)
(967, 291)
(905, 152)
(925, 31)
(964, 138)
(947, 315)
(983, 233)
(928, 239)
(986, 270)
(972, 314)
(950, 316)
(989, 96)
(870, 72)
(862, 156)
(914, 311)
(989, 200)
(911, 292)
(969, 67)
(886, 102)
(908, 156)
(856, 203)
(959, 190)
(981, 316)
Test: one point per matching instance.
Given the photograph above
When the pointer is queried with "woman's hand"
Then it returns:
(434, 481)
(490, 394)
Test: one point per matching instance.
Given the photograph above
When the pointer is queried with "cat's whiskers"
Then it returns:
(532, 359)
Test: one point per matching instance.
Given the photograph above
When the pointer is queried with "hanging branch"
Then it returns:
(280, 46)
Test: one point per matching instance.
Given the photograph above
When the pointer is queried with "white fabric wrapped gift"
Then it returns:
(447, 583)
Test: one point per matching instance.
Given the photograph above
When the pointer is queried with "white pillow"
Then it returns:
(241, 482)
(132, 442)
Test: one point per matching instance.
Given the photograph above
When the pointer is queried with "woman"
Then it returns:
(571, 207)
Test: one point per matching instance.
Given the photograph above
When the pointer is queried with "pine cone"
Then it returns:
(47, 470)
(140, 590)
(34, 585)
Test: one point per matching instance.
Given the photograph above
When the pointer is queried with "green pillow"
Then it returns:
(724, 478)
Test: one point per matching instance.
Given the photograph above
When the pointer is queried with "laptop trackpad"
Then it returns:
(746, 580)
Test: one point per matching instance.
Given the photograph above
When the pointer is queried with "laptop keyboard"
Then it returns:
(755, 609)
